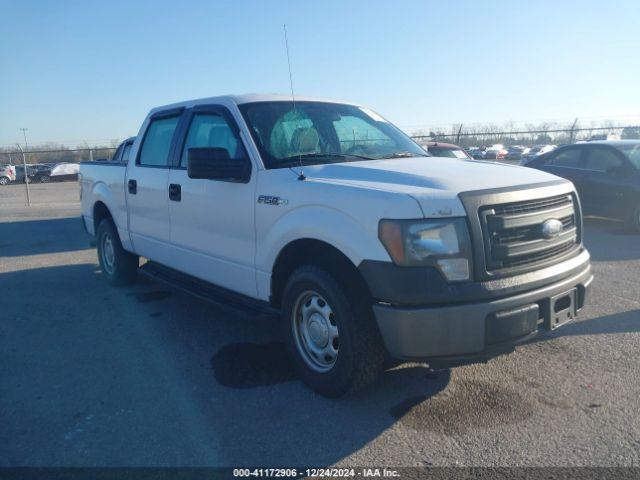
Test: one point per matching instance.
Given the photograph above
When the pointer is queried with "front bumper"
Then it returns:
(459, 333)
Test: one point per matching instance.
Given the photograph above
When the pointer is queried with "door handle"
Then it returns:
(175, 192)
(132, 185)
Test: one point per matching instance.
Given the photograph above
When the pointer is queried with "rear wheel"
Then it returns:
(45, 179)
(119, 266)
(331, 334)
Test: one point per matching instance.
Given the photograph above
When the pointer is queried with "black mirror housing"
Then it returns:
(214, 163)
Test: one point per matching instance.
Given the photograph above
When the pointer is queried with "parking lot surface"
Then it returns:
(92, 375)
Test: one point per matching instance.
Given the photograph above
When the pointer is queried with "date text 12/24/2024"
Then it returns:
(315, 472)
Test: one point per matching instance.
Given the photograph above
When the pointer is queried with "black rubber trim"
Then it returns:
(105, 163)
(208, 292)
(425, 286)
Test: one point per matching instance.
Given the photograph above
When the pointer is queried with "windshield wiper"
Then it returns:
(406, 155)
(307, 156)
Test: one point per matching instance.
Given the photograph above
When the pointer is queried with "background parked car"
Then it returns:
(42, 173)
(477, 153)
(64, 171)
(606, 175)
(31, 171)
(534, 152)
(439, 149)
(7, 174)
(514, 153)
(495, 152)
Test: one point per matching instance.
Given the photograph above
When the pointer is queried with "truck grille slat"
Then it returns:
(513, 232)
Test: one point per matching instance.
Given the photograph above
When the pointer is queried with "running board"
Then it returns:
(208, 292)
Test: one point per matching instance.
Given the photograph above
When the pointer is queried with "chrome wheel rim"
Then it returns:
(315, 331)
(108, 254)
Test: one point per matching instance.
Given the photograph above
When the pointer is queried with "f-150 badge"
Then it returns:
(269, 200)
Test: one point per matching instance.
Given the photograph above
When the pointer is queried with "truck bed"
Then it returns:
(103, 181)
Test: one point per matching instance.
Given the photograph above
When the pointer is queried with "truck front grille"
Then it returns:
(513, 232)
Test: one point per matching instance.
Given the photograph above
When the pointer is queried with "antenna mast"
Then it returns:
(293, 96)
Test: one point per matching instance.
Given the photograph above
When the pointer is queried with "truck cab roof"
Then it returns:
(249, 98)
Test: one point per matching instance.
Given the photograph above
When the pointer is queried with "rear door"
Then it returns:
(606, 188)
(212, 221)
(146, 187)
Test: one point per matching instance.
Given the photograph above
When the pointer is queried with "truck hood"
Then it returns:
(434, 182)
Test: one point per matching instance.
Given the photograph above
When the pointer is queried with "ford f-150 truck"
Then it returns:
(369, 248)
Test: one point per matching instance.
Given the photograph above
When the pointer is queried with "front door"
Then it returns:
(605, 185)
(212, 221)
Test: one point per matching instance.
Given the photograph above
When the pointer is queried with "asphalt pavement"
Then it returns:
(92, 375)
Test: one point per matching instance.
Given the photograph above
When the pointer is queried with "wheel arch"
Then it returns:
(100, 212)
(311, 251)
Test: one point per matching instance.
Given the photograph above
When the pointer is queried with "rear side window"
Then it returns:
(569, 158)
(125, 152)
(116, 155)
(602, 159)
(157, 142)
(212, 130)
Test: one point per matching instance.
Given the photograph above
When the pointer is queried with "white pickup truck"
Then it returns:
(326, 213)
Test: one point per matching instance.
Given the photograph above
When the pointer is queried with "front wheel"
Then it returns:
(119, 266)
(4, 181)
(331, 334)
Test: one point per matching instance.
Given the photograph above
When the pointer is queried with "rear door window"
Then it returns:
(602, 159)
(156, 145)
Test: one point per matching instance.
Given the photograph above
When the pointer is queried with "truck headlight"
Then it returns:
(441, 243)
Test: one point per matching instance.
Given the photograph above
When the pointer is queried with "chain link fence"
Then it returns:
(465, 137)
(528, 137)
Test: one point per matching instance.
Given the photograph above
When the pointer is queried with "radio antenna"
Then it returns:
(293, 100)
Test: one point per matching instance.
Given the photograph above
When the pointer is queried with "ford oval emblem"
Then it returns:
(551, 228)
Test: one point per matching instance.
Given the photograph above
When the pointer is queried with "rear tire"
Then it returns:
(330, 333)
(45, 179)
(118, 266)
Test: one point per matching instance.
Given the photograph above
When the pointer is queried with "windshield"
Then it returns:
(317, 133)
(633, 153)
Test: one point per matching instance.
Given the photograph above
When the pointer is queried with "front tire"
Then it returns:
(330, 333)
(4, 181)
(118, 266)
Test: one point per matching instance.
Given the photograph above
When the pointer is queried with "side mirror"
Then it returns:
(214, 164)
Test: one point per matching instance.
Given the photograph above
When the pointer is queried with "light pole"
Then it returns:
(24, 165)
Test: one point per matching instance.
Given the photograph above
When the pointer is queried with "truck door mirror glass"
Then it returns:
(214, 163)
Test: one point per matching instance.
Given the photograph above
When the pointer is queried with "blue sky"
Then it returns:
(83, 70)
